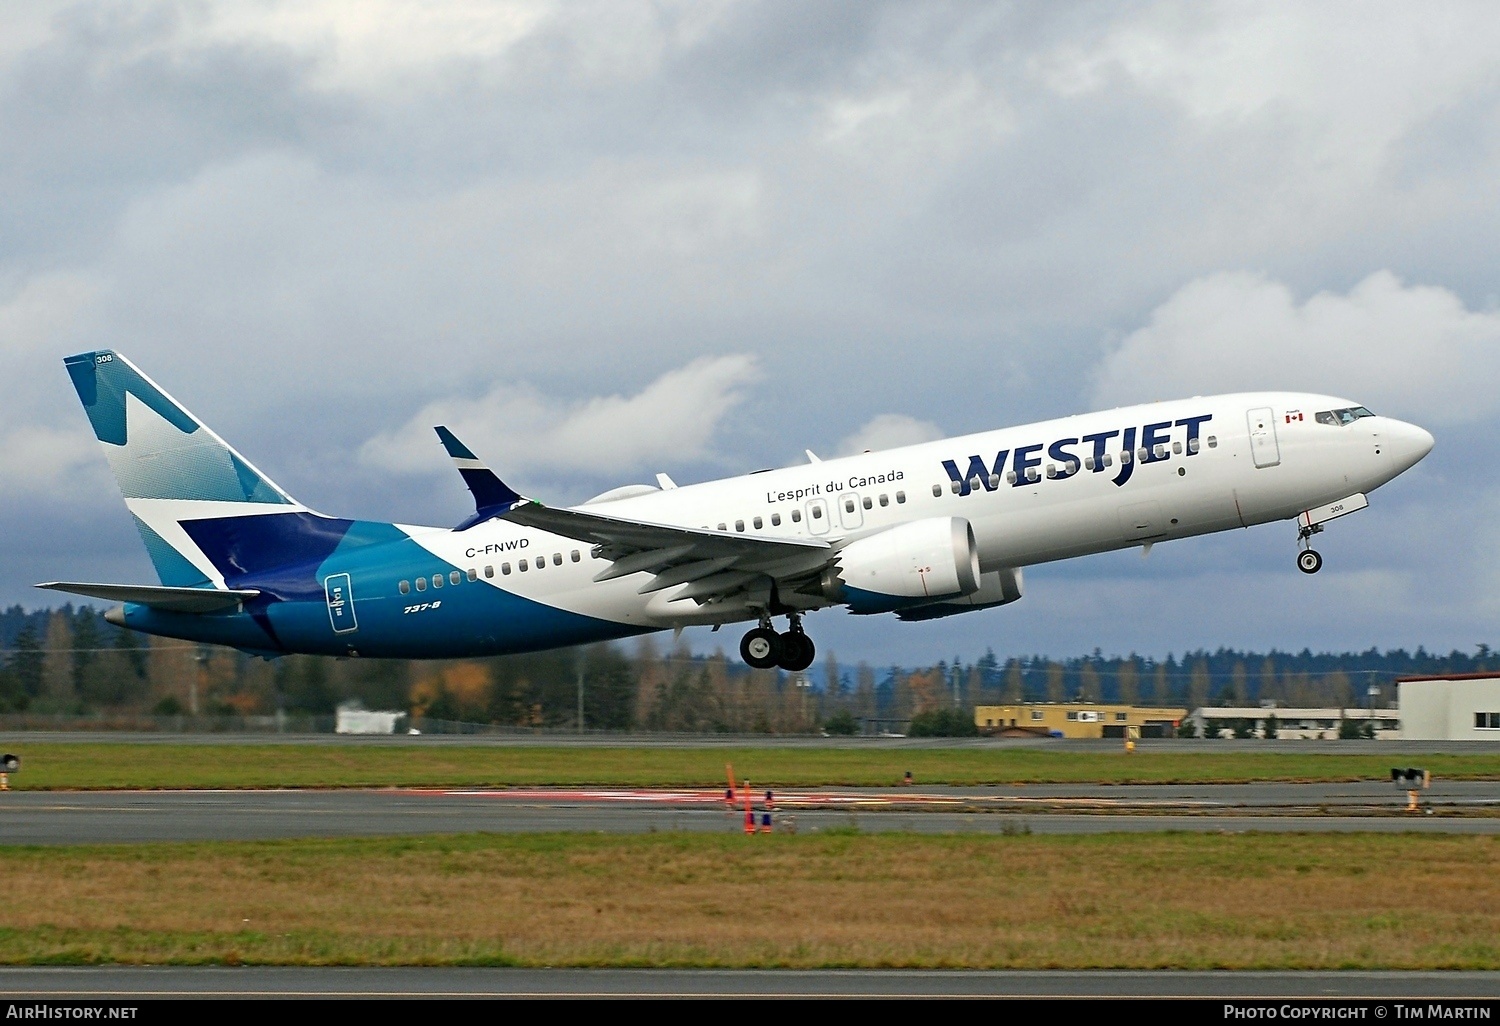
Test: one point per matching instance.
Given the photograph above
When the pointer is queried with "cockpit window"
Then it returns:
(1345, 416)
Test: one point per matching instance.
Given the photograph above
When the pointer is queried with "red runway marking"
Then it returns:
(690, 797)
(788, 799)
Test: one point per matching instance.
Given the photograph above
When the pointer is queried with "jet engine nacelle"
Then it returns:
(906, 566)
(995, 589)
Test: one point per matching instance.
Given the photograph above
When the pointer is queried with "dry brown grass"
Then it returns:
(1136, 901)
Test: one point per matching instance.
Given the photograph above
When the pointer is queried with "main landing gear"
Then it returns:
(763, 648)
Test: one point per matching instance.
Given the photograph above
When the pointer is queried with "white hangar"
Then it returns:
(1458, 707)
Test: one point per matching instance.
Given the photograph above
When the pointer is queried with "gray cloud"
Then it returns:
(313, 221)
(1413, 349)
(675, 418)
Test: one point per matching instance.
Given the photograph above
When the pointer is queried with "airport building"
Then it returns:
(1294, 724)
(1460, 707)
(1076, 719)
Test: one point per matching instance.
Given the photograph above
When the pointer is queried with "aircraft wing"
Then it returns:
(712, 564)
(168, 599)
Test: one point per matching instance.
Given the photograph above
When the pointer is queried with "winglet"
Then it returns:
(492, 496)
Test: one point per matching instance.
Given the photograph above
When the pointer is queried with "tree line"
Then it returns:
(69, 661)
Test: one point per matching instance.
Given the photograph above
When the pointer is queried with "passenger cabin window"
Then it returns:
(421, 584)
(455, 577)
(817, 512)
(541, 563)
(521, 565)
(505, 569)
(473, 574)
(848, 505)
(404, 587)
(1213, 441)
(489, 571)
(576, 556)
(885, 500)
(868, 503)
(775, 519)
(759, 523)
(796, 516)
(739, 525)
(900, 497)
(437, 580)
(937, 491)
(723, 527)
(557, 559)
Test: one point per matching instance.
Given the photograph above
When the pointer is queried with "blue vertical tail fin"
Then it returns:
(171, 468)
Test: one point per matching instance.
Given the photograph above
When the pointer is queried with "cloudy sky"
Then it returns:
(611, 239)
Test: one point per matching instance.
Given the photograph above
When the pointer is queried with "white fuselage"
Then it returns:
(1210, 464)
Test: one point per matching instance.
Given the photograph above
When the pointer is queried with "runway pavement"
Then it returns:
(161, 981)
(99, 817)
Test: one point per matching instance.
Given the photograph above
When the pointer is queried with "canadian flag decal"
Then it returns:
(1292, 415)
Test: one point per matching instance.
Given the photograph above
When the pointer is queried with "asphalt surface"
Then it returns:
(101, 817)
(156, 982)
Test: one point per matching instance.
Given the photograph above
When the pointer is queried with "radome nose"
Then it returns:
(1407, 444)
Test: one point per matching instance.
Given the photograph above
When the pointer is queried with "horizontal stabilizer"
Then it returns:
(492, 496)
(171, 600)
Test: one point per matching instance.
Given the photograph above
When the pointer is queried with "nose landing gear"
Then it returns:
(1310, 522)
(763, 648)
(1309, 561)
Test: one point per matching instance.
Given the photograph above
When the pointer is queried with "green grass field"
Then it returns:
(90, 765)
(1190, 901)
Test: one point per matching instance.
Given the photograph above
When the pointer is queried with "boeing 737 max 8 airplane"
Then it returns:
(923, 531)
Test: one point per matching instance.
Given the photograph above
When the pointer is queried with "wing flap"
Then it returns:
(171, 600)
(708, 565)
(627, 536)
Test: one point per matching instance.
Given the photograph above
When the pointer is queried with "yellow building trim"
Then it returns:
(1077, 719)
